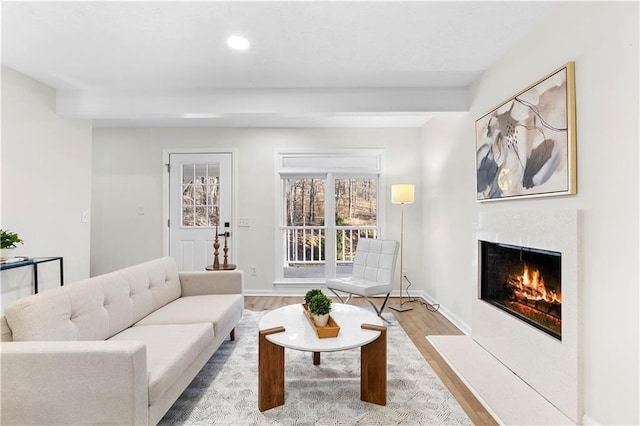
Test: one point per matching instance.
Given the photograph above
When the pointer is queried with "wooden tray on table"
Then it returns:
(330, 330)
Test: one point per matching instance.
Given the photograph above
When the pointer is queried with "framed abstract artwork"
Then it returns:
(526, 146)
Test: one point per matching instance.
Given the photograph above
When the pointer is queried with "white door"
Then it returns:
(200, 201)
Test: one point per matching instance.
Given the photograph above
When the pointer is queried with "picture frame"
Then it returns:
(526, 146)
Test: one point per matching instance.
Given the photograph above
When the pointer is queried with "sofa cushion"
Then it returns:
(152, 285)
(96, 308)
(170, 351)
(64, 313)
(223, 311)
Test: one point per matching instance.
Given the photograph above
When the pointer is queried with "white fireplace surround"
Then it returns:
(549, 366)
(521, 374)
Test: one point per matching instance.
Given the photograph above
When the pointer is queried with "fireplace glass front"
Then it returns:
(524, 282)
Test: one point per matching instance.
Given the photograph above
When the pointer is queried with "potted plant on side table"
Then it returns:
(319, 307)
(8, 241)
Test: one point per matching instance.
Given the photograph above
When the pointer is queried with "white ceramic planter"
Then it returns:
(8, 253)
(321, 320)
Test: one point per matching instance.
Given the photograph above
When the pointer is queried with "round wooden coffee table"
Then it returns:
(288, 327)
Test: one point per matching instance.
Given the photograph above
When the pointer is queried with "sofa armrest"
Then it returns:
(197, 283)
(78, 382)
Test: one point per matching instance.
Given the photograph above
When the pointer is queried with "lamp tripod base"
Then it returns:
(400, 307)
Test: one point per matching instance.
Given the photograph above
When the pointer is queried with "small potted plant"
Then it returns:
(8, 241)
(319, 307)
(310, 294)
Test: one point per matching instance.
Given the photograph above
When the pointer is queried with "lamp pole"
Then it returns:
(399, 307)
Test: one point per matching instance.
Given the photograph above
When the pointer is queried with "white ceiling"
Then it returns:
(104, 53)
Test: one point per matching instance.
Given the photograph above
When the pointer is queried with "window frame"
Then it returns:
(328, 165)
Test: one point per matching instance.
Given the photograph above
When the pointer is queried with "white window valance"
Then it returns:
(350, 161)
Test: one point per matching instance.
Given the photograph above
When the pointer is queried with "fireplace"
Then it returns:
(524, 282)
(548, 363)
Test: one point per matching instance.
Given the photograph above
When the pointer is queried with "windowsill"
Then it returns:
(298, 283)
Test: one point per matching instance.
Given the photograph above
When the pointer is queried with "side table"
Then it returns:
(229, 267)
(35, 261)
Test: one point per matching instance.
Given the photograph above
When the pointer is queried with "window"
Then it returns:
(200, 195)
(324, 210)
(356, 215)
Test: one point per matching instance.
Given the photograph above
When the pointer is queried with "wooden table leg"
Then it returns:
(373, 368)
(270, 371)
(316, 358)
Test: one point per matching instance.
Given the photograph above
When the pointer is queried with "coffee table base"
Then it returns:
(373, 369)
(270, 371)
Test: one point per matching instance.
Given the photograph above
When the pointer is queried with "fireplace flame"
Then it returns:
(530, 285)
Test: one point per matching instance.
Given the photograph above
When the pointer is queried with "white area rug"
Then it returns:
(226, 390)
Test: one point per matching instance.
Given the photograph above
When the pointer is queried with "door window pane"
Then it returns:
(187, 173)
(200, 195)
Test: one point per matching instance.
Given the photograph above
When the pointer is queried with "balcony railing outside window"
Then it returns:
(305, 254)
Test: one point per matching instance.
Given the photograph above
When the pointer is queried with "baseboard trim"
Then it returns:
(294, 291)
(455, 320)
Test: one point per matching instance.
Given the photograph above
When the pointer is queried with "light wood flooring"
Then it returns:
(417, 323)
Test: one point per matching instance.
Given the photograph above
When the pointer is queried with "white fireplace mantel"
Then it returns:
(548, 366)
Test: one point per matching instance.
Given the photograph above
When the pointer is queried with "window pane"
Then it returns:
(214, 216)
(187, 216)
(304, 202)
(201, 173)
(187, 173)
(213, 172)
(212, 195)
(187, 195)
(201, 219)
(200, 195)
(356, 202)
(304, 208)
(356, 216)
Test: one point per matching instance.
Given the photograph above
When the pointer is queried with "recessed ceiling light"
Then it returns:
(238, 43)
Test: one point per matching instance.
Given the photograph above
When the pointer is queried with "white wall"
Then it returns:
(128, 170)
(448, 213)
(46, 183)
(602, 39)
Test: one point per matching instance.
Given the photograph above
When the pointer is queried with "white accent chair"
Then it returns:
(373, 271)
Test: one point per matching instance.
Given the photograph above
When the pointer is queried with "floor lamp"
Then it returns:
(402, 194)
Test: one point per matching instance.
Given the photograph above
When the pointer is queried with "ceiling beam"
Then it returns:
(208, 106)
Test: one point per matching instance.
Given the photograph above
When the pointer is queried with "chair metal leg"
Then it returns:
(375, 308)
(386, 299)
(338, 296)
(379, 311)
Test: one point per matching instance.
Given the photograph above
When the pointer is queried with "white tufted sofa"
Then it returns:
(118, 348)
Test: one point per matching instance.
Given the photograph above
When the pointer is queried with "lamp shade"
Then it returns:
(402, 194)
